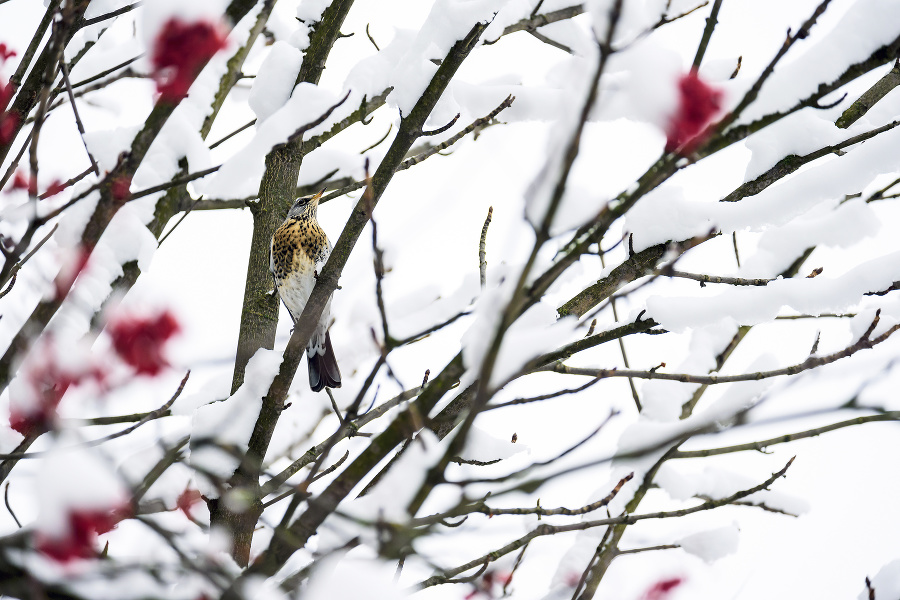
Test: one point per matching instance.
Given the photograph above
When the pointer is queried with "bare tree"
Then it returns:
(602, 287)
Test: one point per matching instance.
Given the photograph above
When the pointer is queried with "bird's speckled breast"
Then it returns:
(297, 246)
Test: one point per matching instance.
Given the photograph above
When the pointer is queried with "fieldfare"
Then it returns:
(299, 251)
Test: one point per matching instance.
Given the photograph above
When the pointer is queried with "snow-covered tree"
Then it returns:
(601, 272)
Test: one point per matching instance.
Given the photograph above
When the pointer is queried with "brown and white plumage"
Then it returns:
(299, 250)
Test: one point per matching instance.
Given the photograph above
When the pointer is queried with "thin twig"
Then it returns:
(371, 39)
(783, 439)
(233, 133)
(544, 396)
(425, 333)
(318, 476)
(15, 268)
(78, 123)
(67, 184)
(171, 456)
(516, 564)
(810, 363)
(8, 507)
(298, 134)
(822, 316)
(156, 414)
(175, 182)
(716, 279)
(139, 194)
(711, 22)
(626, 519)
(384, 137)
(377, 265)
(666, 19)
(648, 548)
(621, 342)
(481, 507)
(109, 15)
(271, 485)
(334, 406)
(551, 42)
(482, 252)
(178, 222)
(92, 87)
(102, 74)
(410, 162)
(441, 129)
(14, 164)
(737, 256)
(535, 21)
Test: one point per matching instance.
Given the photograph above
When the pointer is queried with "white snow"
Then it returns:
(662, 400)
(136, 584)
(107, 145)
(448, 22)
(633, 91)
(74, 478)
(717, 483)
(344, 577)
(713, 544)
(886, 582)
(665, 214)
(60, 357)
(540, 192)
(241, 174)
(822, 58)
(157, 13)
(275, 80)
(751, 305)
(373, 74)
(483, 447)
(101, 7)
(173, 481)
(389, 498)
(537, 331)
(636, 17)
(839, 227)
(437, 210)
(260, 588)
(310, 11)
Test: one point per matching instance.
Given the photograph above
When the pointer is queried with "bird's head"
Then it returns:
(306, 204)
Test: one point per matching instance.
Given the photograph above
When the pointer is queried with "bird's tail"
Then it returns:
(323, 368)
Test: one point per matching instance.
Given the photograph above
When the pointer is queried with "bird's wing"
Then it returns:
(323, 257)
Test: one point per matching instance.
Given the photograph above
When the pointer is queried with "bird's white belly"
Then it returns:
(296, 288)
(295, 291)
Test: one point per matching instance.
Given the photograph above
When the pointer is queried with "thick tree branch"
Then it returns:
(870, 97)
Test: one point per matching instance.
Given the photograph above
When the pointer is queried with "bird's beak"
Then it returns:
(317, 196)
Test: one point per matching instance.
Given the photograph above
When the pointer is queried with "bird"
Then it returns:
(298, 251)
